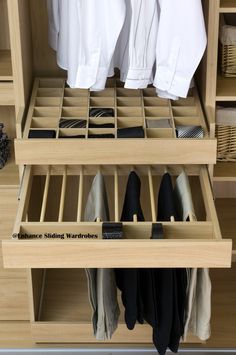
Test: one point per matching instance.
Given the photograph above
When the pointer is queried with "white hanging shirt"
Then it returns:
(53, 23)
(181, 42)
(142, 43)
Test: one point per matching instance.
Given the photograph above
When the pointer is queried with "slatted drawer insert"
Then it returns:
(53, 200)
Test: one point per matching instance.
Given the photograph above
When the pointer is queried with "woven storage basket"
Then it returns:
(228, 45)
(226, 134)
(4, 147)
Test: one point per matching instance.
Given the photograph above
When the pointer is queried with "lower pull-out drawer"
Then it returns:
(50, 231)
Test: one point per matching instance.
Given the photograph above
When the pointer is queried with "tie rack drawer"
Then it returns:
(113, 126)
(51, 232)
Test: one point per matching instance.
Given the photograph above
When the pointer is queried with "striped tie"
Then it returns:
(72, 123)
(101, 112)
(189, 132)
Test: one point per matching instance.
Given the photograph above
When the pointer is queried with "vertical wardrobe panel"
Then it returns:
(44, 58)
(4, 26)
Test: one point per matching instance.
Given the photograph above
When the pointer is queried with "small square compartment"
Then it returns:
(189, 101)
(149, 92)
(109, 92)
(79, 112)
(127, 92)
(48, 101)
(129, 111)
(160, 133)
(158, 123)
(129, 101)
(157, 112)
(44, 122)
(101, 131)
(51, 83)
(46, 112)
(70, 133)
(125, 122)
(100, 121)
(49, 92)
(68, 92)
(102, 101)
(75, 101)
(182, 111)
(155, 101)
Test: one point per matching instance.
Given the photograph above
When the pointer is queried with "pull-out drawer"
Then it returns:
(160, 119)
(66, 317)
(50, 231)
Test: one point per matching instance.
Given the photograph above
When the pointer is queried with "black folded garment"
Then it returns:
(78, 136)
(130, 132)
(42, 133)
(72, 123)
(102, 125)
(101, 112)
(103, 135)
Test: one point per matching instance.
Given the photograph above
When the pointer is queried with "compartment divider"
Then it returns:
(152, 197)
(116, 192)
(80, 194)
(45, 194)
(172, 119)
(63, 193)
(115, 109)
(144, 117)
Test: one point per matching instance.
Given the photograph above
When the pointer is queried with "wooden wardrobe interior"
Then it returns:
(31, 57)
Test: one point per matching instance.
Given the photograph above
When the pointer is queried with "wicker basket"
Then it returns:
(228, 45)
(226, 133)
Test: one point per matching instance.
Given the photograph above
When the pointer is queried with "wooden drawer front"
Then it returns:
(66, 318)
(51, 101)
(7, 94)
(14, 299)
(53, 201)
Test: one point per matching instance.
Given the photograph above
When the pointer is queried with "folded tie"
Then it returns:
(101, 125)
(162, 123)
(78, 136)
(130, 132)
(101, 112)
(42, 133)
(189, 132)
(4, 147)
(103, 135)
(72, 123)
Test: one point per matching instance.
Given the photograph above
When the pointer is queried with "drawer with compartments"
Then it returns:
(116, 125)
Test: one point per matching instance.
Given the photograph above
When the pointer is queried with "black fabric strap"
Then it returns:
(112, 230)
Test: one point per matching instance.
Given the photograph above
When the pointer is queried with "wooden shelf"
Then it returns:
(225, 171)
(227, 6)
(5, 66)
(226, 89)
(226, 210)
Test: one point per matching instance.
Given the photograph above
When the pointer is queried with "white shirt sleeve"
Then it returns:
(100, 26)
(53, 23)
(181, 43)
(142, 43)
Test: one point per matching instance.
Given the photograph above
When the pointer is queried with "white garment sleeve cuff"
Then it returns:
(138, 78)
(101, 79)
(86, 76)
(53, 38)
(166, 95)
(167, 80)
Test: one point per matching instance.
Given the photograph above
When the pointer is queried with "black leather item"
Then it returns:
(103, 135)
(130, 132)
(101, 112)
(72, 123)
(101, 125)
(42, 133)
(157, 231)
